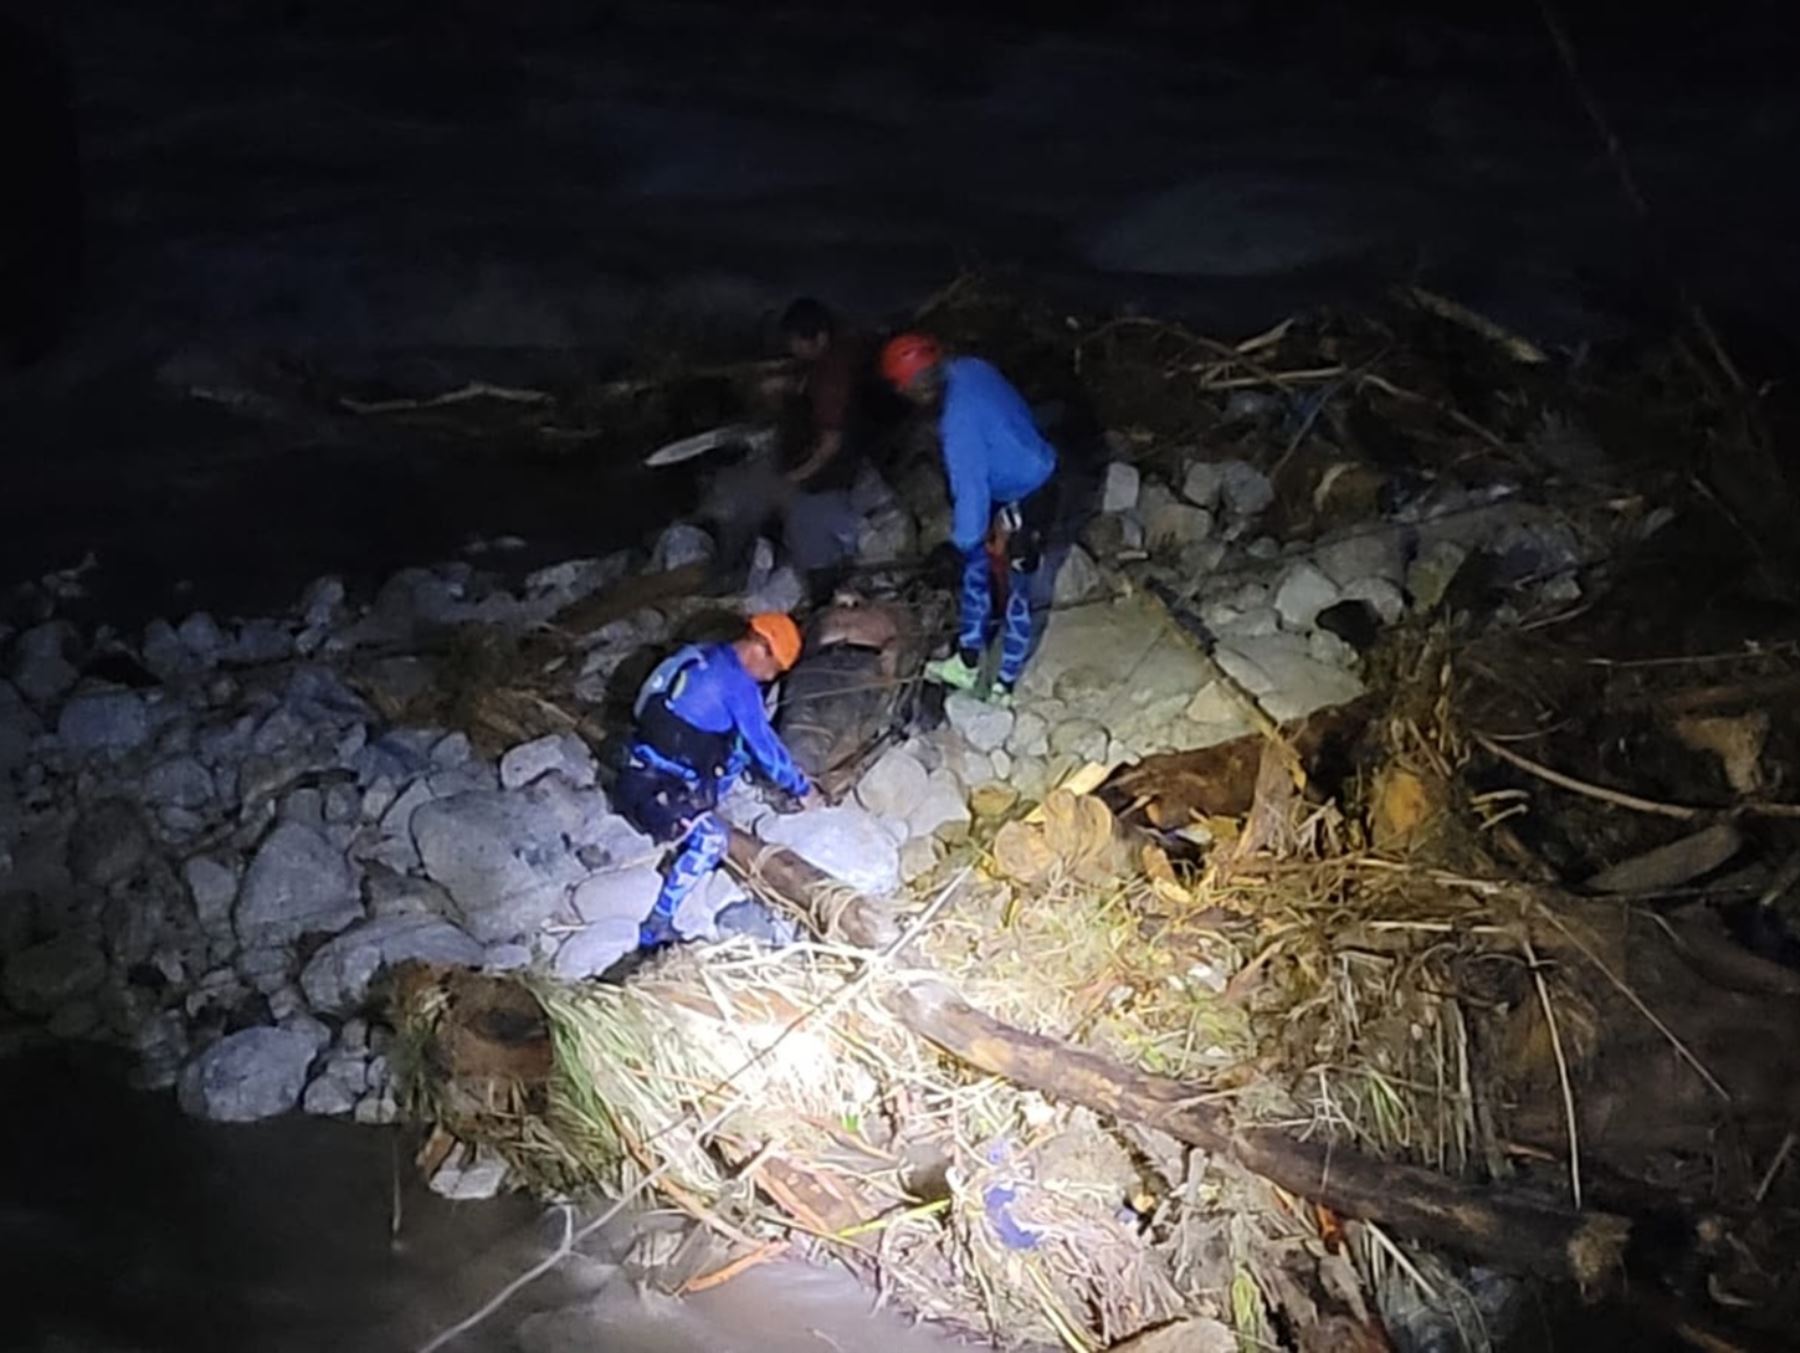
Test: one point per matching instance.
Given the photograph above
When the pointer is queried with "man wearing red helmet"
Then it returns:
(999, 467)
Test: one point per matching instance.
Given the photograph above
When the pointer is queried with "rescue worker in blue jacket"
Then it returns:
(699, 724)
(999, 467)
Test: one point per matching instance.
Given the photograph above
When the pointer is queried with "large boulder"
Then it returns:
(254, 1073)
(847, 842)
(336, 980)
(506, 859)
(298, 884)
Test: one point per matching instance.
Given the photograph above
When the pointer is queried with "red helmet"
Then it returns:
(906, 355)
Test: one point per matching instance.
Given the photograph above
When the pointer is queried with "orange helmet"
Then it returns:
(907, 355)
(780, 633)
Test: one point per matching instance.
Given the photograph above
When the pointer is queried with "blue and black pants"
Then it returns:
(1024, 526)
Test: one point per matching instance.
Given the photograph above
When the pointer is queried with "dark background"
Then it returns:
(410, 195)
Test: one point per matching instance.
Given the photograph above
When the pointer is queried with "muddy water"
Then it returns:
(126, 1226)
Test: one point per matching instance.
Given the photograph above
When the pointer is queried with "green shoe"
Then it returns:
(953, 672)
(1001, 697)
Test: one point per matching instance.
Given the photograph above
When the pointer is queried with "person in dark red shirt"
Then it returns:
(825, 451)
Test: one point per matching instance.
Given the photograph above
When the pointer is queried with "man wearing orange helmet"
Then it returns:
(999, 467)
(700, 723)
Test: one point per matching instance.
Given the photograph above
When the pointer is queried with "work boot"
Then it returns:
(953, 672)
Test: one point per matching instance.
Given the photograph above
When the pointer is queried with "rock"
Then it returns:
(451, 750)
(266, 968)
(180, 782)
(299, 1021)
(894, 785)
(618, 894)
(993, 800)
(256, 642)
(750, 919)
(782, 590)
(1371, 552)
(108, 843)
(1301, 594)
(41, 666)
(504, 858)
(983, 726)
(113, 721)
(918, 857)
(1252, 624)
(466, 1177)
(846, 842)
(594, 948)
(1109, 535)
(1382, 596)
(332, 1095)
(298, 883)
(1080, 738)
(1330, 649)
(254, 1073)
(1002, 762)
(1204, 484)
(698, 914)
(200, 635)
(1245, 489)
(1031, 777)
(164, 653)
(336, 979)
(564, 753)
(1030, 735)
(679, 546)
(506, 957)
(1077, 579)
(1284, 676)
(886, 536)
(47, 976)
(942, 809)
(1119, 492)
(376, 1108)
(322, 603)
(1429, 576)
(1174, 527)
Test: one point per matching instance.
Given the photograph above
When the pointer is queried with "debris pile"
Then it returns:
(1273, 971)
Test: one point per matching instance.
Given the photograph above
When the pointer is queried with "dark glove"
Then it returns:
(944, 566)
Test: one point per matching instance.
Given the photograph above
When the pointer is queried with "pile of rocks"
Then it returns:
(210, 860)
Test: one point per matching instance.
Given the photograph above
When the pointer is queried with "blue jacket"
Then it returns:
(993, 451)
(709, 689)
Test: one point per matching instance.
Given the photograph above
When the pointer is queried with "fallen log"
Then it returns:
(1505, 1227)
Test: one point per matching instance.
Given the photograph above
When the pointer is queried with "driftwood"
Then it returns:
(1501, 1226)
